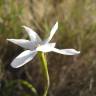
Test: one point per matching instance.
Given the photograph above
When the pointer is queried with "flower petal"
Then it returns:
(53, 30)
(46, 47)
(32, 34)
(66, 51)
(23, 58)
(23, 43)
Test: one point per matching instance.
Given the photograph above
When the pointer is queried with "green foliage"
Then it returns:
(10, 87)
(10, 14)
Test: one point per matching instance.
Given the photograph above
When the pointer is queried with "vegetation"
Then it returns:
(70, 76)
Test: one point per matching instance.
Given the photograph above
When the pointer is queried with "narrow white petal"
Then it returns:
(66, 51)
(23, 43)
(53, 30)
(23, 58)
(32, 34)
(46, 47)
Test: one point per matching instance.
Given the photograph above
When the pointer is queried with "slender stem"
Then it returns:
(45, 72)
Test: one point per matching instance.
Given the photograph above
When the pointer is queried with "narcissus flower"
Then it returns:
(35, 44)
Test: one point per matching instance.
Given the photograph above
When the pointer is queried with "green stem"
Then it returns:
(45, 72)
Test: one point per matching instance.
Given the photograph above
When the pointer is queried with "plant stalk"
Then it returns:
(45, 72)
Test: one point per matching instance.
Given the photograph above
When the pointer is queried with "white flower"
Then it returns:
(35, 44)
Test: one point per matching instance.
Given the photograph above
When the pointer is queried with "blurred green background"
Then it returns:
(69, 75)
